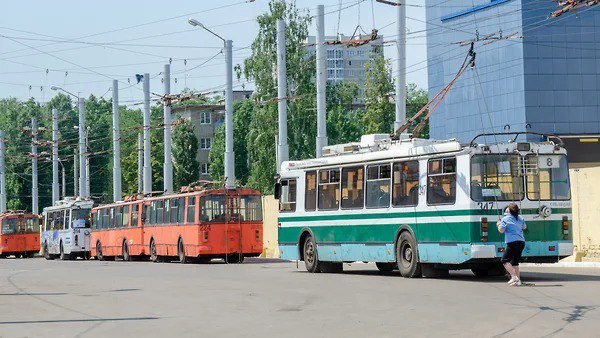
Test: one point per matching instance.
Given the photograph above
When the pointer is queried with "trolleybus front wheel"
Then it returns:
(99, 255)
(407, 257)
(126, 257)
(311, 257)
(153, 253)
(181, 252)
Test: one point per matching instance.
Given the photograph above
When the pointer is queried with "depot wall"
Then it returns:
(585, 191)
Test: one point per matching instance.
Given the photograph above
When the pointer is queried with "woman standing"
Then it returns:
(512, 226)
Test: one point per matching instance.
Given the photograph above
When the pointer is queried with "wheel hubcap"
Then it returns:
(310, 252)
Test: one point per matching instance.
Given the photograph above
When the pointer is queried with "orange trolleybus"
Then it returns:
(20, 234)
(201, 224)
(117, 230)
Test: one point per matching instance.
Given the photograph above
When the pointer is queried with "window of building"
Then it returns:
(191, 209)
(353, 195)
(287, 201)
(205, 117)
(441, 181)
(378, 186)
(405, 186)
(205, 143)
(310, 191)
(204, 168)
(329, 189)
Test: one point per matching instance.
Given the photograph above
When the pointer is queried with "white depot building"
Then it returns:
(348, 63)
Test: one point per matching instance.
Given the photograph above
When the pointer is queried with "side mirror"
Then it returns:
(277, 192)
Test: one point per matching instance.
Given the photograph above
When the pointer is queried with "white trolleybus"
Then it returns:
(424, 206)
(66, 229)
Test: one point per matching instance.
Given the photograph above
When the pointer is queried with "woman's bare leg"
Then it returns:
(510, 269)
(517, 272)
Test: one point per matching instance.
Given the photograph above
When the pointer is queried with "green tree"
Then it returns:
(343, 124)
(416, 98)
(379, 116)
(186, 168)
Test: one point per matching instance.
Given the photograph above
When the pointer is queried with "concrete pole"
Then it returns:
(75, 173)
(401, 65)
(140, 163)
(82, 172)
(64, 180)
(34, 168)
(168, 163)
(147, 163)
(229, 154)
(282, 144)
(2, 173)
(321, 82)
(87, 165)
(116, 143)
(55, 155)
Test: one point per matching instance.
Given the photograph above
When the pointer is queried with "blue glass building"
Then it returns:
(533, 72)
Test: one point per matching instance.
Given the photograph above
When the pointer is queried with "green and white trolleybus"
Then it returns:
(424, 206)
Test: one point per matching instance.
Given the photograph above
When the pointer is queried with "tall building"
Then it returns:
(348, 63)
(206, 119)
(533, 72)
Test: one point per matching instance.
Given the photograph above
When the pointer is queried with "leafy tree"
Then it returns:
(416, 98)
(379, 116)
(343, 124)
(186, 168)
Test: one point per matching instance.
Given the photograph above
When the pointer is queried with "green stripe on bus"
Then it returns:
(463, 232)
(439, 213)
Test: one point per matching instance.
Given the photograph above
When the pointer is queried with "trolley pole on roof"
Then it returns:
(401, 65)
(140, 163)
(147, 188)
(55, 156)
(82, 158)
(282, 143)
(321, 82)
(34, 167)
(168, 163)
(2, 173)
(116, 143)
(75, 173)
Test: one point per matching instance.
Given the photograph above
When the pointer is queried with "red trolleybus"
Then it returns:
(202, 224)
(19, 235)
(117, 230)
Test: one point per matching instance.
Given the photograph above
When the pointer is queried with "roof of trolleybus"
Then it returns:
(69, 203)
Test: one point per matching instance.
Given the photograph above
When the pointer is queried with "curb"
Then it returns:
(564, 265)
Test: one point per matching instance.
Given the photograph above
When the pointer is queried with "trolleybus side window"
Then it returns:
(251, 207)
(61, 220)
(310, 191)
(547, 177)
(111, 218)
(160, 206)
(496, 177)
(125, 216)
(134, 215)
(105, 218)
(151, 213)
(119, 218)
(191, 209)
(181, 210)
(287, 201)
(167, 212)
(405, 189)
(441, 181)
(174, 212)
(378, 186)
(353, 195)
(48, 221)
(329, 189)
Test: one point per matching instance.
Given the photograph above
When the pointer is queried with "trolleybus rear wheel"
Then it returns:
(385, 267)
(99, 252)
(153, 254)
(311, 257)
(63, 255)
(181, 252)
(126, 256)
(407, 256)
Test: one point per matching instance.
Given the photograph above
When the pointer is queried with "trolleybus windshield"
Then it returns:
(80, 218)
(495, 177)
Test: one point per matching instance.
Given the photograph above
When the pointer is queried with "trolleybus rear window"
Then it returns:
(441, 181)
(212, 208)
(547, 177)
(80, 218)
(251, 207)
(496, 177)
(9, 225)
(32, 224)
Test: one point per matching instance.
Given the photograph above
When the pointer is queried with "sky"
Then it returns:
(83, 45)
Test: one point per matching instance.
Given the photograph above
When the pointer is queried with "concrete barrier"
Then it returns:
(585, 193)
(270, 244)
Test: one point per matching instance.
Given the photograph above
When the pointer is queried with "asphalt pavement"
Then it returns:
(270, 298)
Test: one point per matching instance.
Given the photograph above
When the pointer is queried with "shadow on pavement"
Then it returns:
(76, 320)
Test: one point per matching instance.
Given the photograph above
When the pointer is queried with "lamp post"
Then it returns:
(229, 154)
(81, 128)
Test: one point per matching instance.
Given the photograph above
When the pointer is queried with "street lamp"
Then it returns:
(229, 154)
(82, 173)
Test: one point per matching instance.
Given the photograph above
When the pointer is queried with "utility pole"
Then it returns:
(55, 155)
(2, 173)
(34, 167)
(168, 163)
(282, 143)
(82, 162)
(116, 143)
(229, 154)
(147, 163)
(64, 180)
(321, 82)
(401, 65)
(87, 164)
(140, 163)
(75, 174)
